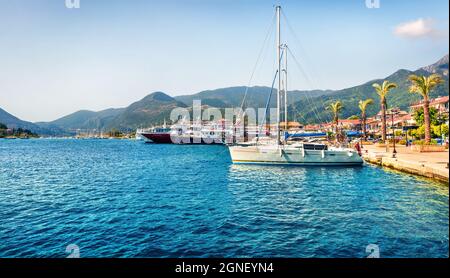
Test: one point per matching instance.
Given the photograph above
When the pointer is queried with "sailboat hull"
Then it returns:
(293, 156)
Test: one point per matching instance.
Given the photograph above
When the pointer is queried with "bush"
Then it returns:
(398, 133)
(422, 142)
(437, 130)
(391, 141)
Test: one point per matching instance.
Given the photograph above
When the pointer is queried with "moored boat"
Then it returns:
(294, 154)
(157, 135)
(280, 151)
(187, 133)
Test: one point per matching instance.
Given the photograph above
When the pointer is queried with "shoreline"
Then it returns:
(431, 165)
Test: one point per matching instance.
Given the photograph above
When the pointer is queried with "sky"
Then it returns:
(110, 53)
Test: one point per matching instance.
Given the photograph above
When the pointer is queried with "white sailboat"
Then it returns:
(282, 152)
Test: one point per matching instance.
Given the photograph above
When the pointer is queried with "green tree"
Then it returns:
(423, 86)
(382, 91)
(440, 130)
(419, 116)
(363, 107)
(420, 132)
(336, 108)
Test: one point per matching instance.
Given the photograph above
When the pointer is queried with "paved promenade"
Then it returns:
(430, 164)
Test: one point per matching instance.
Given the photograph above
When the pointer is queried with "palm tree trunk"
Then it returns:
(426, 116)
(364, 126)
(383, 121)
(336, 122)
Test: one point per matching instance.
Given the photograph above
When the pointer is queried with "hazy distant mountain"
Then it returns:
(14, 122)
(314, 110)
(150, 110)
(87, 120)
(440, 66)
(256, 97)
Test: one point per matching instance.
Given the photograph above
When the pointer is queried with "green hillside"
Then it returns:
(85, 119)
(256, 97)
(313, 111)
(13, 122)
(151, 110)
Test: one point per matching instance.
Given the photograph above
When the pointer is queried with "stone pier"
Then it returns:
(433, 165)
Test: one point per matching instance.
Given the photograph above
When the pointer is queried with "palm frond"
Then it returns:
(424, 85)
(383, 89)
(364, 103)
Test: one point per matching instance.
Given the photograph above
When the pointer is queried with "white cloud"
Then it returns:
(420, 28)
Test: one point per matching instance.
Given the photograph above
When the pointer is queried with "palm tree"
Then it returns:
(424, 85)
(382, 91)
(336, 108)
(363, 107)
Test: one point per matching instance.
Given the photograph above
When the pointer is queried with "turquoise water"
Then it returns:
(117, 198)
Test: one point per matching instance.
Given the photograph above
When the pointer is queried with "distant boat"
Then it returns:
(157, 135)
(280, 151)
(185, 132)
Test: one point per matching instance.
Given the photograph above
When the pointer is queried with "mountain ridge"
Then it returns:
(304, 106)
(153, 108)
(12, 121)
(399, 97)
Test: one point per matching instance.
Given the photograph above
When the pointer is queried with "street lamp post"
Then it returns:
(406, 133)
(440, 125)
(394, 152)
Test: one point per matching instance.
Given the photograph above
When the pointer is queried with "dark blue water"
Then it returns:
(128, 199)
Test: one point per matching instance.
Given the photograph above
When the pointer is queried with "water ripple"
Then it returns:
(127, 199)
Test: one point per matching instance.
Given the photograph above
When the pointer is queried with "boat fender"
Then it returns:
(303, 152)
(323, 153)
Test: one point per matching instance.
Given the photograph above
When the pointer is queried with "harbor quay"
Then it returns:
(433, 165)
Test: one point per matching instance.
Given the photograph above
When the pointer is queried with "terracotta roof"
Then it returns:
(311, 127)
(398, 112)
(433, 101)
(291, 124)
(355, 122)
(372, 121)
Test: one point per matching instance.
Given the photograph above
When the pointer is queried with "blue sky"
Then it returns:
(109, 53)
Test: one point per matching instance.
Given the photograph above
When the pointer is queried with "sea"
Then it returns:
(128, 199)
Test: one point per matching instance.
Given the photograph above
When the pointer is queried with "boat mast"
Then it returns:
(278, 9)
(285, 90)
